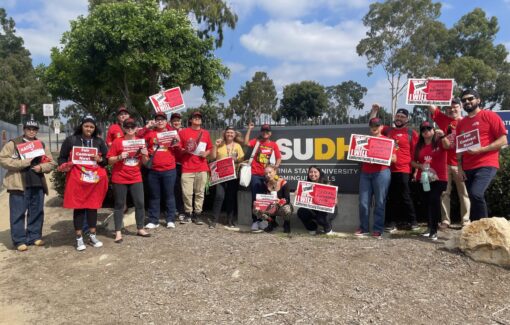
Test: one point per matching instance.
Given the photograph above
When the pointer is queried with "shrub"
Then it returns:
(498, 193)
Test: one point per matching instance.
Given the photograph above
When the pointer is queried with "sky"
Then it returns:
(291, 40)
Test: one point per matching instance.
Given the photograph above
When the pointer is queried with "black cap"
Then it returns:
(88, 118)
(265, 127)
(196, 113)
(402, 111)
(375, 121)
(160, 114)
(129, 122)
(31, 124)
(175, 115)
(470, 92)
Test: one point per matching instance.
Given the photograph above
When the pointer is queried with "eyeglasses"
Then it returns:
(160, 119)
(131, 127)
(467, 99)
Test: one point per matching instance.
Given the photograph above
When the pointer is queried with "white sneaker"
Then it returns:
(263, 224)
(255, 226)
(330, 233)
(95, 242)
(170, 225)
(181, 217)
(150, 225)
(312, 232)
(426, 234)
(80, 245)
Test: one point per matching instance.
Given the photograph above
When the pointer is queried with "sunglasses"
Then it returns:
(130, 127)
(425, 129)
(467, 99)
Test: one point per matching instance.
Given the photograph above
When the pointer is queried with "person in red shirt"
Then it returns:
(430, 157)
(448, 124)
(126, 176)
(399, 204)
(176, 124)
(479, 163)
(115, 130)
(195, 145)
(265, 148)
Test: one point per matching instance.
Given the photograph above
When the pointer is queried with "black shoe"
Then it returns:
(286, 227)
(270, 227)
(212, 224)
(197, 219)
(230, 222)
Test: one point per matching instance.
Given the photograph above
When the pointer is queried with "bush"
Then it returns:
(498, 193)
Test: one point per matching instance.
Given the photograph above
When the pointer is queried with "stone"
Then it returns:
(487, 240)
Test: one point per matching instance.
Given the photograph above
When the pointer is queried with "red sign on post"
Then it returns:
(23, 109)
(429, 91)
(468, 140)
(169, 100)
(30, 149)
(374, 150)
(222, 170)
(84, 155)
(316, 196)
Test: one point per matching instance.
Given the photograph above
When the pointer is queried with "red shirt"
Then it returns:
(436, 158)
(164, 158)
(193, 140)
(490, 127)
(369, 168)
(403, 149)
(262, 156)
(125, 171)
(449, 127)
(114, 132)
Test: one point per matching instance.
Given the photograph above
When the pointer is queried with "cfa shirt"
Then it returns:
(449, 127)
(164, 158)
(490, 127)
(403, 149)
(436, 158)
(262, 156)
(192, 163)
(369, 168)
(125, 171)
(114, 132)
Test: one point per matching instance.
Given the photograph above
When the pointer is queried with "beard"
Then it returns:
(399, 124)
(470, 108)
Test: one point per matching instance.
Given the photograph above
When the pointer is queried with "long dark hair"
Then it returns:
(421, 143)
(322, 177)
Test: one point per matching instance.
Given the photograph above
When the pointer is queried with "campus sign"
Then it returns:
(505, 116)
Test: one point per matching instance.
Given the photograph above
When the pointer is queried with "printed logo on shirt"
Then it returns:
(476, 123)
(264, 154)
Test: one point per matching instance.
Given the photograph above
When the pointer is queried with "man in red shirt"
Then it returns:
(479, 163)
(448, 124)
(399, 204)
(176, 123)
(115, 130)
(195, 145)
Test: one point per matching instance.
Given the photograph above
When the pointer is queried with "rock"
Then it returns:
(452, 243)
(487, 240)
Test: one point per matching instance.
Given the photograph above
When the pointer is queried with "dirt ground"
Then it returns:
(193, 275)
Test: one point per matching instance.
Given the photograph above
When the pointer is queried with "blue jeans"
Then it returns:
(258, 186)
(375, 184)
(477, 182)
(161, 186)
(31, 201)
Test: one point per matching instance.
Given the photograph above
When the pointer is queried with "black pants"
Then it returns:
(399, 206)
(432, 203)
(120, 194)
(312, 218)
(226, 191)
(79, 217)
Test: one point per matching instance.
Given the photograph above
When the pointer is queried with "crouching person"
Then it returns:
(26, 185)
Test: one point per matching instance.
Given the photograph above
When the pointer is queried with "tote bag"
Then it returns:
(245, 170)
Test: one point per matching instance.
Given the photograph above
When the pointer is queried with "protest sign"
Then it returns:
(32, 149)
(266, 203)
(168, 138)
(167, 101)
(132, 147)
(83, 155)
(222, 170)
(429, 91)
(374, 150)
(468, 140)
(316, 196)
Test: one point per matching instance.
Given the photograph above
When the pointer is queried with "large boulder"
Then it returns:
(487, 240)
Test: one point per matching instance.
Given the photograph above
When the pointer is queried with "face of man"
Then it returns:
(196, 120)
(122, 116)
(176, 123)
(400, 120)
(453, 111)
(470, 103)
(160, 122)
(30, 132)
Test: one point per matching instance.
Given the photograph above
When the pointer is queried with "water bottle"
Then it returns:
(425, 182)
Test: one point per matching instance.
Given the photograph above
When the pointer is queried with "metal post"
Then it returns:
(49, 132)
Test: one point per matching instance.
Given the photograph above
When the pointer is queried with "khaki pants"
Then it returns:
(463, 197)
(193, 183)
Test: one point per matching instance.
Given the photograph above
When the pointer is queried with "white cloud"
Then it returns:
(193, 97)
(235, 67)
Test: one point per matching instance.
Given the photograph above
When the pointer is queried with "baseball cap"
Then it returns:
(402, 111)
(375, 121)
(122, 109)
(265, 127)
(129, 122)
(88, 118)
(175, 115)
(160, 114)
(425, 125)
(196, 113)
(31, 124)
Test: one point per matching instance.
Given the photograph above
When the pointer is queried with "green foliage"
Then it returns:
(211, 115)
(343, 97)
(124, 52)
(498, 193)
(303, 100)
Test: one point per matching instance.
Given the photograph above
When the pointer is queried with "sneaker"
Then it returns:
(170, 225)
(212, 224)
(181, 217)
(39, 242)
(94, 241)
(376, 235)
(330, 233)
(312, 232)
(426, 234)
(263, 224)
(198, 221)
(80, 245)
(415, 226)
(360, 233)
(444, 225)
(433, 237)
(255, 226)
(390, 229)
(151, 225)
(22, 248)
(185, 220)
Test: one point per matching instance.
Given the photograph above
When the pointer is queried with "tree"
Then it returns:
(344, 97)
(393, 24)
(303, 100)
(123, 52)
(19, 81)
(212, 115)
(255, 98)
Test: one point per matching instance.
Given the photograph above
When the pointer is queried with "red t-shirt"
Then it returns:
(403, 149)
(369, 168)
(490, 127)
(114, 132)
(436, 158)
(164, 158)
(125, 171)
(262, 156)
(449, 127)
(195, 141)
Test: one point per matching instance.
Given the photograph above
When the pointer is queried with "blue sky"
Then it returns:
(291, 40)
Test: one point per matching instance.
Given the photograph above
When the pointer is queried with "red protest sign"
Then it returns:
(316, 196)
(222, 170)
(169, 100)
(133, 146)
(429, 91)
(468, 140)
(83, 155)
(30, 149)
(168, 138)
(374, 150)
(266, 203)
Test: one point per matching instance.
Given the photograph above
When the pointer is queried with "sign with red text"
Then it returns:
(132, 147)
(266, 203)
(222, 170)
(84, 155)
(32, 149)
(429, 92)
(316, 196)
(468, 140)
(373, 150)
(168, 138)
(167, 101)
